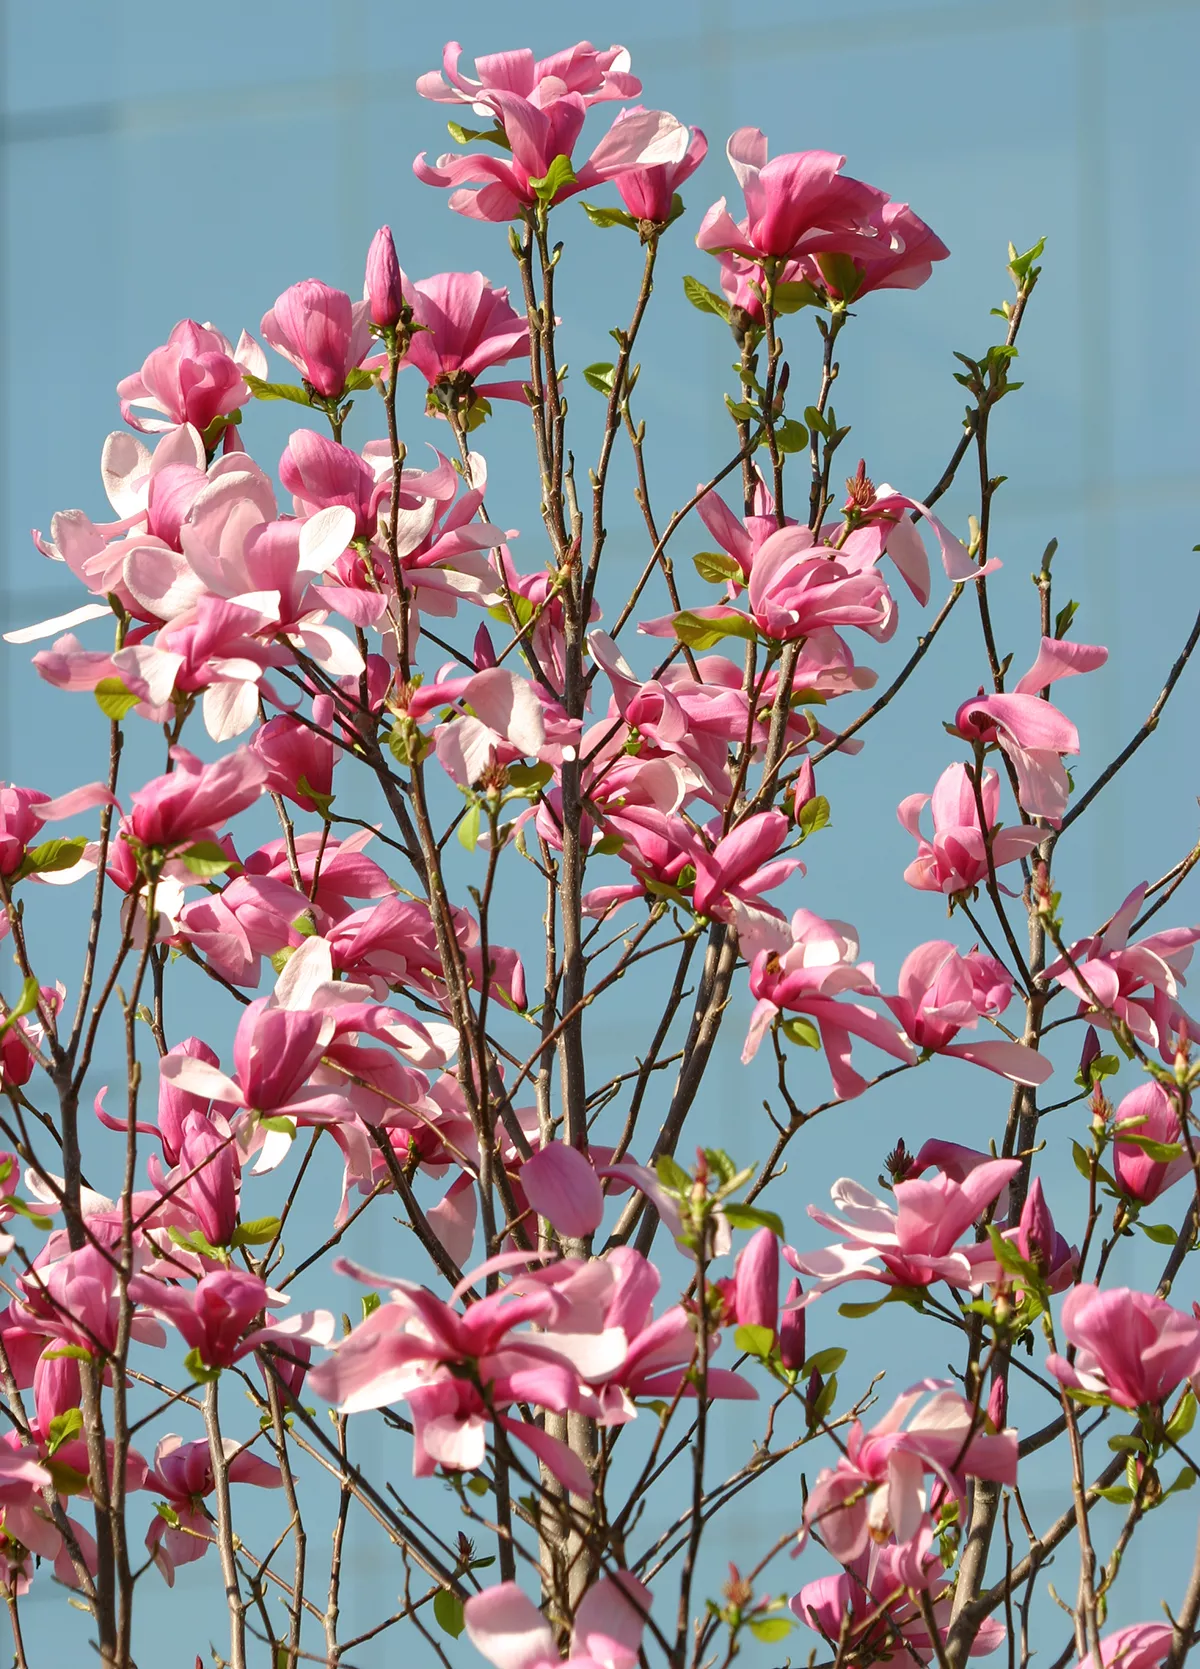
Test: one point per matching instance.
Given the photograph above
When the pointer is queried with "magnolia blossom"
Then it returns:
(1137, 1646)
(182, 1477)
(649, 193)
(507, 1628)
(941, 992)
(815, 976)
(1029, 730)
(1138, 984)
(956, 859)
(583, 70)
(196, 377)
(1132, 1348)
(917, 1242)
(1147, 1111)
(322, 332)
(218, 1317)
(877, 1489)
(465, 327)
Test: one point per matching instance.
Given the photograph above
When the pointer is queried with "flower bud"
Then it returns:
(806, 789)
(756, 1281)
(791, 1332)
(1035, 1235)
(384, 279)
(1089, 1053)
(997, 1405)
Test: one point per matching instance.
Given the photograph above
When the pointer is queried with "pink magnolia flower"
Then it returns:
(189, 804)
(1136, 983)
(504, 722)
(322, 332)
(1137, 1646)
(299, 761)
(591, 74)
(741, 866)
(900, 258)
(955, 860)
(1030, 731)
(76, 1298)
(1040, 1244)
(940, 992)
(332, 872)
(796, 204)
(217, 1316)
(561, 1185)
(489, 187)
(916, 1242)
(507, 1628)
(885, 1622)
(415, 1348)
(207, 1177)
(467, 327)
(756, 1281)
(195, 377)
(182, 1477)
(1147, 1111)
(878, 1490)
(249, 918)
(321, 474)
(394, 942)
(383, 285)
(809, 978)
(1132, 1348)
(649, 193)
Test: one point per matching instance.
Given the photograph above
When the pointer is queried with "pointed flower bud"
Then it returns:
(1036, 1236)
(384, 279)
(791, 1332)
(997, 1406)
(756, 1281)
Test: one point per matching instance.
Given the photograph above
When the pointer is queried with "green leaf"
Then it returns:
(752, 1217)
(258, 1232)
(717, 567)
(25, 1004)
(604, 217)
(1008, 1257)
(1127, 1443)
(557, 177)
(799, 1030)
(791, 436)
(600, 376)
(200, 1370)
(262, 390)
(448, 1609)
(322, 802)
(1162, 1234)
(1082, 1158)
(754, 1341)
(704, 299)
(114, 699)
(1021, 265)
(1121, 1494)
(1064, 617)
(672, 1174)
(609, 845)
(742, 410)
(855, 1312)
(770, 1629)
(790, 298)
(1183, 1419)
(824, 1362)
(1185, 1480)
(1104, 1066)
(281, 1125)
(192, 1240)
(699, 633)
(814, 815)
(491, 135)
(77, 1353)
(529, 778)
(357, 378)
(468, 829)
(63, 1427)
(476, 1485)
(50, 856)
(370, 1303)
(206, 859)
(1161, 1152)
(721, 1165)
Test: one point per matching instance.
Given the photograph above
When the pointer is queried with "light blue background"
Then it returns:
(164, 162)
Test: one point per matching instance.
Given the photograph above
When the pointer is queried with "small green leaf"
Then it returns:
(263, 390)
(752, 1217)
(742, 410)
(206, 859)
(63, 1427)
(1183, 1419)
(1161, 1152)
(705, 299)
(600, 376)
(448, 1609)
(1021, 266)
(281, 1125)
(1162, 1234)
(791, 436)
(799, 1030)
(260, 1231)
(370, 1303)
(700, 633)
(609, 845)
(529, 778)
(770, 1629)
(468, 829)
(1121, 1494)
(1127, 1443)
(814, 815)
(476, 1485)
(50, 856)
(672, 1174)
(604, 217)
(490, 136)
(199, 1369)
(824, 1362)
(754, 1341)
(76, 1352)
(25, 1004)
(1064, 617)
(717, 567)
(1185, 1480)
(114, 699)
(557, 177)
(790, 298)
(1104, 1066)
(357, 378)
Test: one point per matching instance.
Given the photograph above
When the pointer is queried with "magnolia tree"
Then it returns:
(350, 639)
